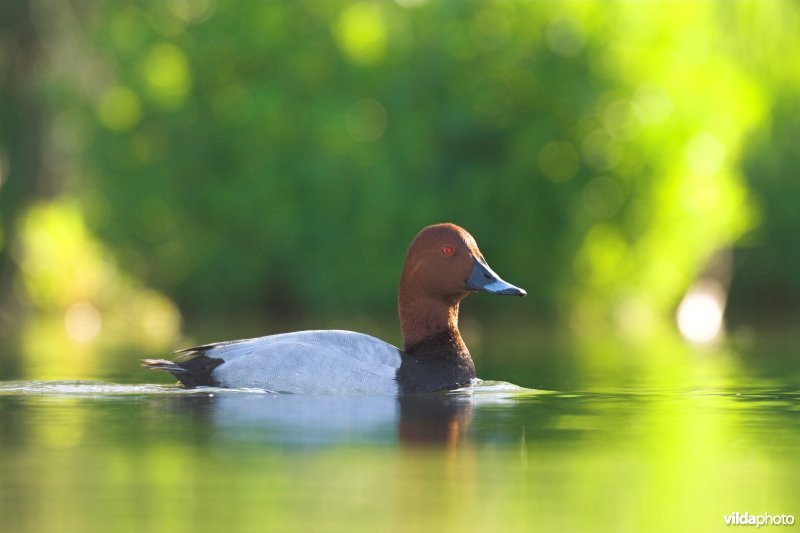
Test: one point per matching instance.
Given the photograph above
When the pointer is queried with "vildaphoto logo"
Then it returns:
(758, 520)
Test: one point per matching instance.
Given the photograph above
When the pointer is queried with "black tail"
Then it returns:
(191, 371)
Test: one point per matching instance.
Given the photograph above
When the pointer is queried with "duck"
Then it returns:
(443, 265)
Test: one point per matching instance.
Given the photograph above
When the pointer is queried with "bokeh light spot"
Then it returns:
(654, 103)
(159, 318)
(82, 322)
(600, 151)
(167, 74)
(411, 3)
(622, 121)
(366, 121)
(700, 313)
(490, 28)
(635, 317)
(361, 33)
(604, 253)
(191, 11)
(705, 154)
(559, 161)
(603, 197)
(564, 38)
(120, 109)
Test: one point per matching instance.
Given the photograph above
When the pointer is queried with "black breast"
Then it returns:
(441, 362)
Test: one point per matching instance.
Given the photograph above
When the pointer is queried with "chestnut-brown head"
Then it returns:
(444, 263)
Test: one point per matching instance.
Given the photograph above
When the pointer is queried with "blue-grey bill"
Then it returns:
(483, 278)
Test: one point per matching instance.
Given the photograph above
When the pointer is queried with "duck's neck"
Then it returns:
(430, 325)
(434, 355)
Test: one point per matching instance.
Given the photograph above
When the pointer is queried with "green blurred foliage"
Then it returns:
(280, 156)
(20, 123)
(87, 305)
(767, 281)
(766, 284)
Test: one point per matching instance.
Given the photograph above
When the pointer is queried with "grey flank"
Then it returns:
(307, 362)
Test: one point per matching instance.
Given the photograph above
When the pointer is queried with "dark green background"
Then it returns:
(274, 159)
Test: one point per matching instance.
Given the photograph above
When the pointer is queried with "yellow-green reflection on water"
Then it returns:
(623, 435)
(88, 456)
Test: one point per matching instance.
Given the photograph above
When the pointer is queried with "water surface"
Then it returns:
(643, 453)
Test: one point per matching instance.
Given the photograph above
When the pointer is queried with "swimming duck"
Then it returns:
(442, 266)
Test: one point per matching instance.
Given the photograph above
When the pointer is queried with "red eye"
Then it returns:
(446, 250)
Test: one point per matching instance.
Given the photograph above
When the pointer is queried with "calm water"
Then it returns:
(671, 441)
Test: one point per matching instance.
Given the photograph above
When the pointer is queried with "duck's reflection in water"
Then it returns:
(320, 421)
(431, 419)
